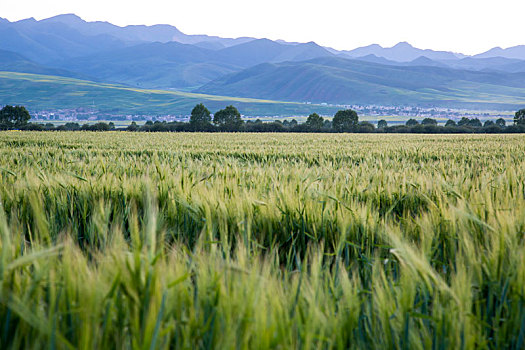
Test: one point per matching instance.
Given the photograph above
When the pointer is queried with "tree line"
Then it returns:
(229, 120)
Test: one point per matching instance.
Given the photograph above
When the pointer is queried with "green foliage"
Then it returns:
(132, 127)
(450, 123)
(261, 241)
(365, 127)
(345, 120)
(228, 119)
(200, 118)
(101, 126)
(429, 121)
(411, 122)
(464, 121)
(519, 117)
(314, 121)
(474, 122)
(501, 122)
(13, 117)
(382, 124)
(71, 126)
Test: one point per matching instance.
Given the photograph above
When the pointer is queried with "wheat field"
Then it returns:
(255, 241)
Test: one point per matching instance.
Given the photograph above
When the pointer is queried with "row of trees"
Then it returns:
(341, 123)
(229, 119)
(465, 125)
(475, 122)
(100, 126)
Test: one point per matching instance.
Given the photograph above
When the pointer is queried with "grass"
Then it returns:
(123, 240)
(41, 92)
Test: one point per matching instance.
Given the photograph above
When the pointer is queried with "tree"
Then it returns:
(501, 122)
(429, 121)
(365, 127)
(488, 123)
(450, 122)
(382, 124)
(519, 117)
(345, 120)
(133, 127)
(100, 126)
(68, 127)
(200, 118)
(314, 122)
(228, 119)
(475, 122)
(13, 117)
(464, 121)
(412, 122)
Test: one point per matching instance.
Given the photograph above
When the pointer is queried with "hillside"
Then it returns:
(263, 50)
(176, 65)
(336, 80)
(45, 92)
(14, 62)
(164, 65)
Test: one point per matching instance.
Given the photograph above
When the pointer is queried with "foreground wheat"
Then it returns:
(144, 241)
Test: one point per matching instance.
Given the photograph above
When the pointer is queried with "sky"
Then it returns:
(466, 26)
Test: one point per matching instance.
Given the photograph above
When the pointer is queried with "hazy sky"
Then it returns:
(467, 26)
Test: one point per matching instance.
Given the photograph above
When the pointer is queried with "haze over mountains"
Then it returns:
(162, 57)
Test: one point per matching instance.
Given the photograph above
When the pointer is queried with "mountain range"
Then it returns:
(162, 57)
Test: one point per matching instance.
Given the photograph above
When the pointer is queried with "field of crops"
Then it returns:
(237, 241)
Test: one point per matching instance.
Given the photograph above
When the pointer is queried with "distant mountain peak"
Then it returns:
(312, 44)
(69, 18)
(371, 46)
(262, 40)
(401, 52)
(402, 45)
(422, 59)
(514, 52)
(66, 16)
(27, 20)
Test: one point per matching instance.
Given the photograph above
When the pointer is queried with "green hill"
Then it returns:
(14, 62)
(40, 92)
(263, 50)
(154, 65)
(176, 65)
(336, 80)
